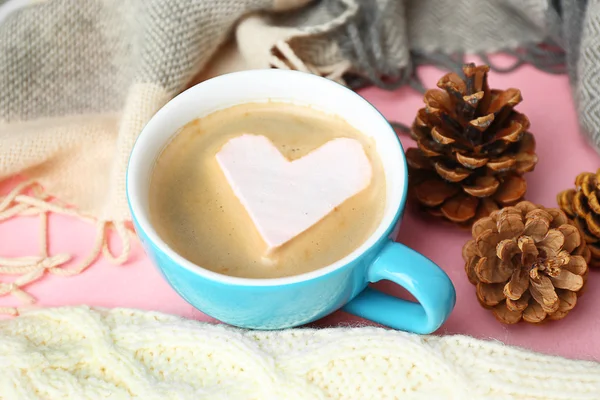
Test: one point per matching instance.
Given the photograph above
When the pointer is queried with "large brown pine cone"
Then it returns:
(583, 206)
(473, 148)
(528, 263)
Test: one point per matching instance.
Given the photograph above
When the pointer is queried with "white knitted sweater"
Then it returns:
(83, 353)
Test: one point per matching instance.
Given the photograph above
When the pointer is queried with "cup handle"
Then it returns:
(426, 281)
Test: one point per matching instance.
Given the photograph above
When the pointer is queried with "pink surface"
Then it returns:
(563, 153)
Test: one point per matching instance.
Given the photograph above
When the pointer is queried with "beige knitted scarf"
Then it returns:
(81, 353)
(79, 81)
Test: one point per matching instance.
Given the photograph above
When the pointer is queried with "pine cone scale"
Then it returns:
(580, 205)
(593, 223)
(470, 270)
(492, 270)
(567, 280)
(472, 162)
(507, 249)
(511, 190)
(519, 304)
(595, 250)
(501, 99)
(514, 131)
(576, 265)
(534, 313)
(485, 186)
(593, 202)
(572, 237)
(441, 138)
(486, 243)
(542, 290)
(517, 285)
(568, 300)
(430, 148)
(451, 175)
(434, 192)
(504, 314)
(502, 164)
(460, 208)
(489, 294)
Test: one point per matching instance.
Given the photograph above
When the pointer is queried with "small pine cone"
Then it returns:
(473, 148)
(583, 206)
(527, 262)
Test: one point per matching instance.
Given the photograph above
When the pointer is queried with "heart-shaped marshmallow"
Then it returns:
(284, 198)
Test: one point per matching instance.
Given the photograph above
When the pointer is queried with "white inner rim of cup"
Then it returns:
(259, 86)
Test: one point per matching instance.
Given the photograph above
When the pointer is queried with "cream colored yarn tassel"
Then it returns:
(284, 57)
(29, 199)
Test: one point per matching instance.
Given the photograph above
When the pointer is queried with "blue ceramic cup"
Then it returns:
(296, 300)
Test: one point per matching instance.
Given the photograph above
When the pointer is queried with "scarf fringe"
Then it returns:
(284, 57)
(29, 199)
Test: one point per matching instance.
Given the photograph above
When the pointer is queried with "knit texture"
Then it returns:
(82, 353)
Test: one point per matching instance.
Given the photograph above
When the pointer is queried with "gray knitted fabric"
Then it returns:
(58, 57)
(388, 38)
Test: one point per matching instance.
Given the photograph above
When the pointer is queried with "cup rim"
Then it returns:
(142, 221)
